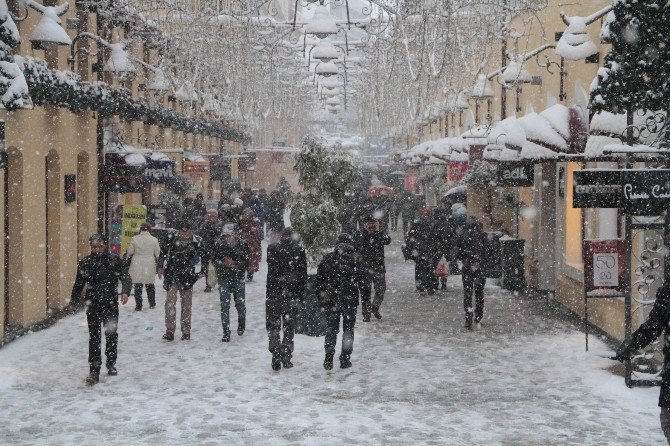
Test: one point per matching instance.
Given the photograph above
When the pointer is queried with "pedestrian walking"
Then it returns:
(338, 286)
(424, 243)
(250, 231)
(177, 265)
(471, 252)
(100, 272)
(209, 232)
(231, 260)
(369, 243)
(144, 252)
(657, 323)
(443, 228)
(275, 216)
(286, 282)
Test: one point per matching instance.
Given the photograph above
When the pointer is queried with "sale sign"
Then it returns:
(604, 265)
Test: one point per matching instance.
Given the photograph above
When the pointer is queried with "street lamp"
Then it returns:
(482, 91)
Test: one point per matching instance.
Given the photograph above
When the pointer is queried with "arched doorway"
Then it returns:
(83, 209)
(53, 241)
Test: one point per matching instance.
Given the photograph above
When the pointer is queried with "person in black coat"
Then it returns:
(230, 257)
(177, 264)
(369, 243)
(209, 232)
(275, 215)
(338, 284)
(657, 323)
(286, 282)
(101, 271)
(443, 227)
(424, 242)
(471, 252)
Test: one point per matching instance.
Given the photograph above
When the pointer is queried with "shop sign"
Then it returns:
(118, 176)
(196, 167)
(516, 174)
(159, 172)
(476, 152)
(126, 221)
(412, 181)
(604, 266)
(645, 192)
(457, 171)
(596, 188)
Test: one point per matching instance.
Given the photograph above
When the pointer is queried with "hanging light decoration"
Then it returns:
(323, 24)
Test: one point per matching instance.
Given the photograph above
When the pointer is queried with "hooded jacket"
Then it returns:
(287, 269)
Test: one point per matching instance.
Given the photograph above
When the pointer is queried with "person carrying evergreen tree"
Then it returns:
(100, 272)
(338, 286)
(286, 282)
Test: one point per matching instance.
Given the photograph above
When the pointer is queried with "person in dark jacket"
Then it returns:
(177, 264)
(441, 215)
(209, 232)
(369, 243)
(275, 216)
(657, 323)
(338, 284)
(286, 282)
(424, 242)
(231, 259)
(101, 271)
(471, 252)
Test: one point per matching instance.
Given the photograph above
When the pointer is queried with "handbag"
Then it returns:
(442, 268)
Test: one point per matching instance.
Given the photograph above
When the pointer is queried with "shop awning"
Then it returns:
(557, 131)
(608, 131)
(438, 151)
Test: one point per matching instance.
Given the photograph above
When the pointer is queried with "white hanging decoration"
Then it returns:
(49, 29)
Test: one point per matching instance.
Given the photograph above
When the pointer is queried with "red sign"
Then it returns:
(605, 266)
(457, 171)
(412, 180)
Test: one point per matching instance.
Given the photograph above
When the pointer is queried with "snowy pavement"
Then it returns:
(418, 378)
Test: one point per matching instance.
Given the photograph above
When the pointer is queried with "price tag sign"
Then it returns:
(604, 265)
(606, 269)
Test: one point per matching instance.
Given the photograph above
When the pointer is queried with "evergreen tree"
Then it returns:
(636, 73)
(324, 176)
(13, 86)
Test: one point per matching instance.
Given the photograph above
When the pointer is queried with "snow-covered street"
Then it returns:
(418, 378)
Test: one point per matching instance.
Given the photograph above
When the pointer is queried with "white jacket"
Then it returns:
(145, 250)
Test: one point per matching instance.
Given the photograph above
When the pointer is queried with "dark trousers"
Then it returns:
(406, 224)
(151, 294)
(280, 315)
(99, 319)
(473, 281)
(376, 279)
(665, 422)
(348, 316)
(424, 273)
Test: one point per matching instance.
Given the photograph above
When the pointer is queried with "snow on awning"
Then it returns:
(438, 151)
(194, 158)
(558, 130)
(607, 132)
(136, 156)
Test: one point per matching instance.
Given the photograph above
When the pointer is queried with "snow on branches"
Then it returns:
(13, 86)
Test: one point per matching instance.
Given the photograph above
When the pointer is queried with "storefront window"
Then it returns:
(573, 224)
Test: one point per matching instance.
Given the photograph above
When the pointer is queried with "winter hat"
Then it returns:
(369, 219)
(228, 229)
(238, 202)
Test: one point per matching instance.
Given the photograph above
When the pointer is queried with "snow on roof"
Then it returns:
(483, 89)
(508, 132)
(194, 158)
(494, 152)
(322, 23)
(49, 28)
(607, 131)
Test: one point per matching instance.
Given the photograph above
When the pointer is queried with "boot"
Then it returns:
(250, 277)
(111, 370)
(286, 359)
(328, 362)
(168, 336)
(468, 321)
(186, 336)
(366, 311)
(276, 360)
(226, 336)
(208, 289)
(93, 377)
(375, 311)
(345, 362)
(240, 328)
